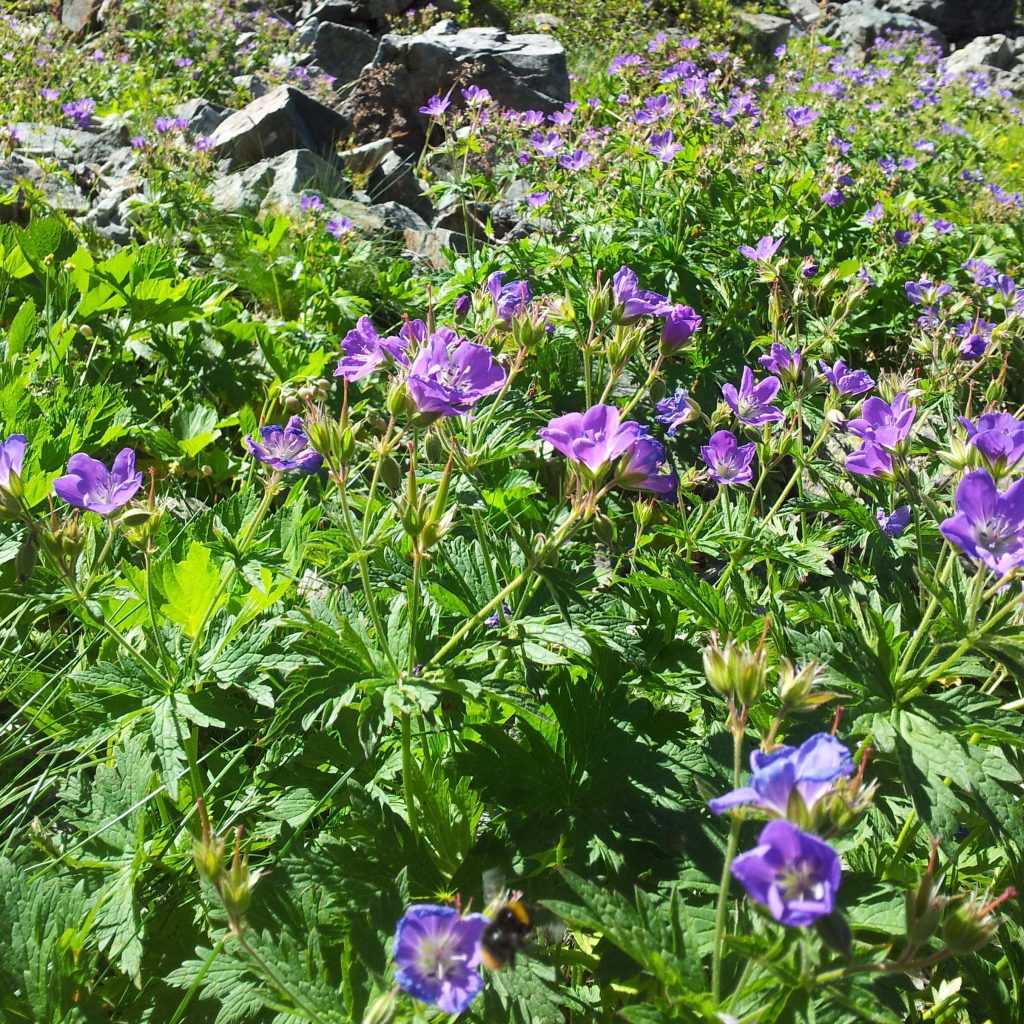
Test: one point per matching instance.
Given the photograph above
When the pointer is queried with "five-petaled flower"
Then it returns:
(90, 485)
(846, 381)
(437, 953)
(675, 410)
(728, 461)
(285, 449)
(751, 403)
(884, 424)
(989, 525)
(998, 437)
(363, 350)
(794, 874)
(808, 771)
(765, 249)
(450, 375)
(12, 455)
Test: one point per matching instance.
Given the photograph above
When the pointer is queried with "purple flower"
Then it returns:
(884, 424)
(12, 455)
(538, 199)
(436, 106)
(801, 117)
(475, 96)
(873, 215)
(974, 337)
(631, 301)
(463, 304)
(50, 95)
(183, 62)
(752, 403)
(870, 460)
(809, 770)
(285, 448)
(575, 161)
(338, 227)
(675, 410)
(847, 382)
(925, 292)
(794, 874)
(989, 525)
(680, 324)
(437, 952)
(999, 437)
(782, 361)
(833, 197)
(80, 111)
(363, 349)
(902, 238)
(450, 375)
(892, 524)
(727, 460)
(642, 468)
(765, 249)
(203, 144)
(547, 145)
(509, 299)
(664, 146)
(311, 203)
(942, 226)
(809, 268)
(593, 439)
(89, 484)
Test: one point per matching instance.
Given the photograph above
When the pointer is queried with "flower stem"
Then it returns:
(738, 726)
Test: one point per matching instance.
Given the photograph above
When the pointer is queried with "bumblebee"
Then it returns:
(506, 935)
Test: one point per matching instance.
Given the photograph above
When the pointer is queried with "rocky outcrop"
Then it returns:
(859, 23)
(278, 183)
(341, 51)
(957, 20)
(283, 120)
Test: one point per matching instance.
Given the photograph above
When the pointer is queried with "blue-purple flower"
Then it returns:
(794, 874)
(974, 337)
(285, 449)
(989, 525)
(751, 402)
(90, 485)
(593, 439)
(675, 410)
(509, 299)
(801, 117)
(999, 437)
(925, 292)
(363, 350)
(12, 456)
(728, 461)
(892, 524)
(338, 227)
(783, 361)
(870, 459)
(679, 325)
(765, 249)
(436, 106)
(846, 381)
(643, 467)
(884, 424)
(833, 198)
(450, 375)
(437, 953)
(664, 146)
(80, 111)
(810, 771)
(631, 301)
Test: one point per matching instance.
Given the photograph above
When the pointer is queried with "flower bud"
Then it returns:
(390, 473)
(599, 302)
(795, 688)
(969, 927)
(208, 854)
(836, 417)
(86, 332)
(959, 454)
(463, 304)
(736, 671)
(924, 906)
(623, 345)
(236, 885)
(994, 392)
(25, 559)
(382, 1009)
(399, 401)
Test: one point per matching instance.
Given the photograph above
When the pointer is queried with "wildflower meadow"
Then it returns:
(582, 582)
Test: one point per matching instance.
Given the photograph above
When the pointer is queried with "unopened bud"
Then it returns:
(972, 924)
(382, 1009)
(994, 392)
(399, 401)
(924, 905)
(390, 473)
(623, 345)
(736, 670)
(795, 688)
(87, 332)
(599, 302)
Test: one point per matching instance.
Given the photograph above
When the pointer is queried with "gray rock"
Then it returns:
(520, 71)
(252, 84)
(860, 23)
(985, 51)
(203, 117)
(399, 219)
(278, 183)
(339, 50)
(366, 158)
(764, 32)
(19, 174)
(395, 181)
(805, 13)
(77, 15)
(71, 145)
(110, 213)
(957, 19)
(285, 119)
(371, 15)
(432, 245)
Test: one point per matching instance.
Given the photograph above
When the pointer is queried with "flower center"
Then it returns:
(997, 535)
(436, 958)
(798, 881)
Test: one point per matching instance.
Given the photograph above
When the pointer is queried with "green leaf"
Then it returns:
(191, 587)
(23, 328)
(168, 734)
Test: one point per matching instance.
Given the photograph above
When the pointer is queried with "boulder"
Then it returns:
(110, 213)
(278, 183)
(252, 84)
(203, 117)
(70, 145)
(957, 19)
(985, 51)
(394, 180)
(432, 245)
(764, 32)
(371, 15)
(18, 174)
(859, 24)
(338, 50)
(78, 15)
(366, 158)
(283, 120)
(523, 72)
(805, 13)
